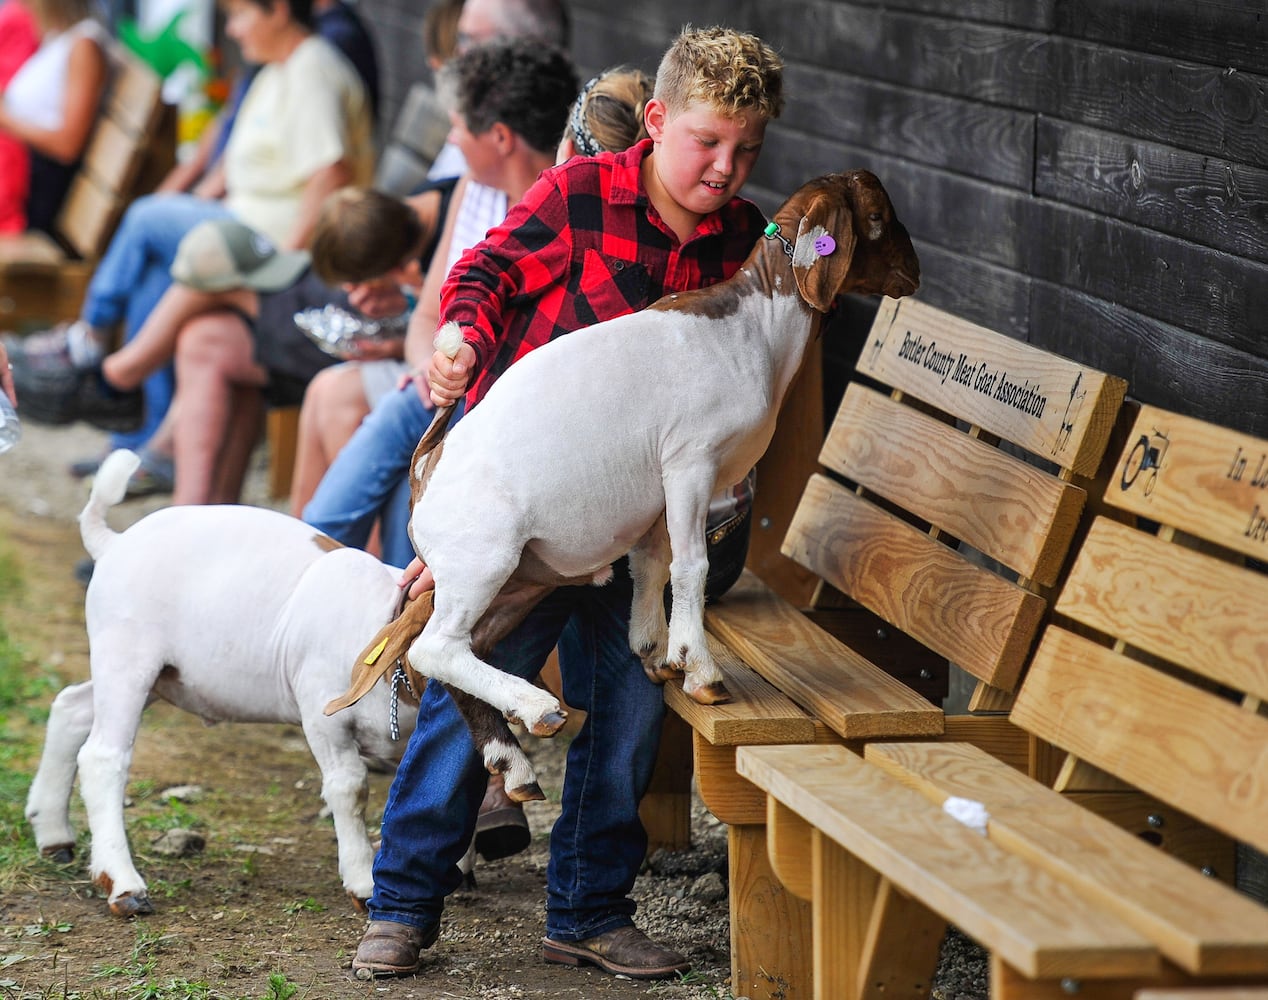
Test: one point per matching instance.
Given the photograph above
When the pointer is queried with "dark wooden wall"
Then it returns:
(1087, 175)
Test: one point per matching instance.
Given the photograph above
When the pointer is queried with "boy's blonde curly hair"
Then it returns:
(731, 71)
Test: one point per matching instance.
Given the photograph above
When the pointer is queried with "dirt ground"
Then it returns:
(260, 910)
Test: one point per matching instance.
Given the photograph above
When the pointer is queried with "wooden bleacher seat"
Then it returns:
(418, 134)
(43, 278)
(1150, 679)
(932, 544)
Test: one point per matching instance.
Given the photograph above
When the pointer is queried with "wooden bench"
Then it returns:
(43, 278)
(1151, 680)
(932, 544)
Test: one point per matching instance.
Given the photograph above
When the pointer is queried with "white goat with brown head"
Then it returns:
(611, 440)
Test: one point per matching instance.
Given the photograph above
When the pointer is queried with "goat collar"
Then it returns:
(771, 232)
(823, 244)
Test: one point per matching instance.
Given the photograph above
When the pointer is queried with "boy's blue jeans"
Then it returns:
(598, 842)
(132, 277)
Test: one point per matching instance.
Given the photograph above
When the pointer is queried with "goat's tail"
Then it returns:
(109, 486)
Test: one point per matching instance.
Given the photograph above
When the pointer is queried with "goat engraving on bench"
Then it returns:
(663, 408)
(233, 614)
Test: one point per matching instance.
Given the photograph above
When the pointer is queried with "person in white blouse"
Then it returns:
(53, 100)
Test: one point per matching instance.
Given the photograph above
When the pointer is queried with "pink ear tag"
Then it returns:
(825, 244)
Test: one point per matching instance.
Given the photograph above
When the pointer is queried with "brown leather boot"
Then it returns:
(501, 828)
(391, 949)
(626, 951)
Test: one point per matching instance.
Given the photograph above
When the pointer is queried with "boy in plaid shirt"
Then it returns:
(594, 238)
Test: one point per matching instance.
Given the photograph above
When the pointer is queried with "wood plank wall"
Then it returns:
(1088, 175)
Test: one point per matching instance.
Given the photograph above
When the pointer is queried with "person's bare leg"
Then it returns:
(334, 406)
(155, 343)
(214, 355)
(246, 423)
(160, 442)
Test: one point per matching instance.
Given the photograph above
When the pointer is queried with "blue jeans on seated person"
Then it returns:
(133, 275)
(598, 842)
(369, 478)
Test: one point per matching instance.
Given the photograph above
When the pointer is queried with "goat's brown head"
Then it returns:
(872, 255)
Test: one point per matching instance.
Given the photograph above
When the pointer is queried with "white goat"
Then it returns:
(234, 614)
(611, 440)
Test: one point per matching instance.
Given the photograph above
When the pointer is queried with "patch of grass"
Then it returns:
(280, 987)
(141, 961)
(174, 816)
(25, 693)
(168, 888)
(701, 987)
(309, 905)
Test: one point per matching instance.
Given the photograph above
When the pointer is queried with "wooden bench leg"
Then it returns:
(900, 954)
(283, 435)
(666, 808)
(770, 927)
(844, 897)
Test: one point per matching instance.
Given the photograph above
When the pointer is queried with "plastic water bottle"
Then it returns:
(10, 425)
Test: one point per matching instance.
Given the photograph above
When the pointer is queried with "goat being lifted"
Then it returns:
(662, 408)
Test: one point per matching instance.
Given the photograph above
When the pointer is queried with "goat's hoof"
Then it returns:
(358, 903)
(549, 724)
(63, 854)
(531, 792)
(667, 672)
(711, 694)
(132, 906)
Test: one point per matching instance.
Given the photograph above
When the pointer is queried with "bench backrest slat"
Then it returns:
(1200, 613)
(901, 454)
(135, 95)
(963, 489)
(1200, 478)
(88, 212)
(960, 609)
(1164, 694)
(1051, 406)
(1189, 747)
(114, 158)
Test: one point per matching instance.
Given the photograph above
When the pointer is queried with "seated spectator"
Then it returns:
(53, 100)
(481, 21)
(304, 131)
(368, 480)
(19, 38)
(230, 364)
(333, 20)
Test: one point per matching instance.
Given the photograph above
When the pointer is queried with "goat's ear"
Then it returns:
(820, 277)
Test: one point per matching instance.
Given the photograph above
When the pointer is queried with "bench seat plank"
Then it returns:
(908, 458)
(849, 694)
(29, 250)
(981, 622)
(1051, 406)
(1115, 713)
(1029, 919)
(757, 714)
(1197, 922)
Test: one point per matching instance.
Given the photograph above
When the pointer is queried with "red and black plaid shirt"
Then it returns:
(584, 245)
